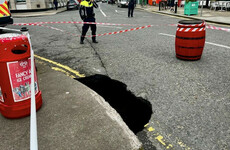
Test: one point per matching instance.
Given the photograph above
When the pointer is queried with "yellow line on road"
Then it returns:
(60, 65)
(61, 70)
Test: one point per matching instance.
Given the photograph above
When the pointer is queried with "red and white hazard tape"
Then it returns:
(190, 29)
(75, 22)
(217, 28)
(111, 33)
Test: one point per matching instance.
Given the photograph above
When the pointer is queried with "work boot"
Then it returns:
(94, 40)
(82, 40)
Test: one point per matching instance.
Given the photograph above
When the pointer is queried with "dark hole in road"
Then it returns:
(135, 111)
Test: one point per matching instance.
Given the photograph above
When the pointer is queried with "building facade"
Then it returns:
(34, 4)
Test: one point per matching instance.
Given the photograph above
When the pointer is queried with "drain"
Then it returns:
(135, 111)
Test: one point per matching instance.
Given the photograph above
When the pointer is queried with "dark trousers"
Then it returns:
(85, 28)
(130, 11)
(56, 5)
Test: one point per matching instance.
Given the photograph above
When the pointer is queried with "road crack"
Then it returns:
(95, 51)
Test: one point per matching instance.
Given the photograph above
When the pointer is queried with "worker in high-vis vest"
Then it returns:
(5, 15)
(87, 15)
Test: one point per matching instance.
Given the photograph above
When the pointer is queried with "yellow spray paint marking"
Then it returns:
(60, 65)
(146, 125)
(151, 129)
(61, 70)
(169, 146)
(183, 145)
(160, 139)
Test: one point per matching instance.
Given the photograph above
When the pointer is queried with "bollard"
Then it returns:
(15, 64)
(190, 39)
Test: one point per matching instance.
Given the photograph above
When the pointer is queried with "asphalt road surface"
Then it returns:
(190, 99)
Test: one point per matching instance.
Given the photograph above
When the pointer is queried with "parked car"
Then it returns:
(72, 4)
(103, 1)
(5, 15)
(122, 3)
(111, 1)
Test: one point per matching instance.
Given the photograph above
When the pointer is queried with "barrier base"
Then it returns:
(188, 57)
(19, 111)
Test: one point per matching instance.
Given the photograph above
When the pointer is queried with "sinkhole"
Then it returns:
(135, 111)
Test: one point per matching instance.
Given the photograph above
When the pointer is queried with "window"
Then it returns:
(18, 1)
(2, 1)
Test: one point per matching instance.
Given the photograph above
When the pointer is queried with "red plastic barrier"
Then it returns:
(190, 39)
(150, 2)
(15, 76)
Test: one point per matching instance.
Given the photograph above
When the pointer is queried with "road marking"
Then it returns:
(102, 11)
(163, 142)
(62, 66)
(109, 26)
(215, 44)
(167, 34)
(118, 11)
(219, 45)
(150, 129)
(158, 137)
(61, 70)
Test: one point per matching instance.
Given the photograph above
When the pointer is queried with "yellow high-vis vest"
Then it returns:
(86, 4)
(4, 10)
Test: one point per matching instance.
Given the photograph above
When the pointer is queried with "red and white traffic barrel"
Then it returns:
(15, 76)
(190, 39)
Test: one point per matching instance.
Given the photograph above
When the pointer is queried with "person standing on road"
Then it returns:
(172, 5)
(55, 4)
(87, 15)
(131, 5)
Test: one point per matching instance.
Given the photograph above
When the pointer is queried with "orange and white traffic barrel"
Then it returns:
(190, 39)
(15, 76)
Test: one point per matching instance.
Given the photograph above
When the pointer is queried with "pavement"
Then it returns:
(221, 17)
(72, 115)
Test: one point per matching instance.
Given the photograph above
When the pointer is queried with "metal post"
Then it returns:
(159, 6)
(201, 8)
(176, 8)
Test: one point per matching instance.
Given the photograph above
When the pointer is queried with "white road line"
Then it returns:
(224, 46)
(218, 45)
(167, 34)
(102, 11)
(109, 26)
(119, 11)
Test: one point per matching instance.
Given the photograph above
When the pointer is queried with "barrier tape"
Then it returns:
(190, 29)
(33, 117)
(217, 28)
(75, 22)
(110, 33)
